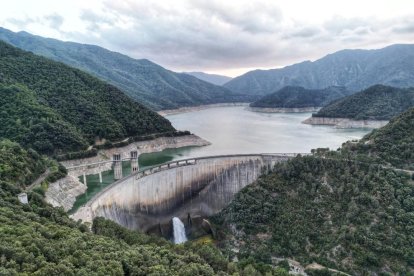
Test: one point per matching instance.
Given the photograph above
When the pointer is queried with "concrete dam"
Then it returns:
(197, 187)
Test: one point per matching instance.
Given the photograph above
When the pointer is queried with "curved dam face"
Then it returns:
(194, 187)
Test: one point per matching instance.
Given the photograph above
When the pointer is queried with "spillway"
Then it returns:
(178, 231)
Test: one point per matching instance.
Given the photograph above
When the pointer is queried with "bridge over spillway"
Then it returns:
(197, 187)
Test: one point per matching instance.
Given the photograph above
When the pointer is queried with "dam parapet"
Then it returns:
(196, 187)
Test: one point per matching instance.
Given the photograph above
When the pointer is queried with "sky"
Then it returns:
(216, 36)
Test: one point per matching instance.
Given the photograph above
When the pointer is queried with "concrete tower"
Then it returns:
(117, 166)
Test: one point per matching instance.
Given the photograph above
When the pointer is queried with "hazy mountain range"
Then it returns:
(141, 79)
(353, 69)
(212, 78)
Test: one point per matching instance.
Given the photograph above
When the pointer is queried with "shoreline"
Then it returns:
(64, 191)
(345, 122)
(187, 109)
(284, 109)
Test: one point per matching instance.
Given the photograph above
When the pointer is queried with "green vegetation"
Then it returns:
(338, 209)
(54, 108)
(25, 120)
(392, 144)
(378, 102)
(354, 217)
(299, 97)
(39, 239)
(18, 165)
(141, 79)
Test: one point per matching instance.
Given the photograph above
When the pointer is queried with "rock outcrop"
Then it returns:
(345, 122)
(284, 110)
(64, 192)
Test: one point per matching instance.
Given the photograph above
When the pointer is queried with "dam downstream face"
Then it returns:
(200, 188)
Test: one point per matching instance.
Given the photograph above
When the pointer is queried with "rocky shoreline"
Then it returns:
(283, 109)
(345, 122)
(197, 108)
(64, 191)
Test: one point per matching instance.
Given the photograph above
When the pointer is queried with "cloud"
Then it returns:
(215, 35)
(20, 23)
(252, 17)
(404, 27)
(207, 33)
(55, 20)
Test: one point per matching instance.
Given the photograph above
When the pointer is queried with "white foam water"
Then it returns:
(178, 231)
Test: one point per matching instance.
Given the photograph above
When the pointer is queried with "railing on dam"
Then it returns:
(69, 168)
(180, 163)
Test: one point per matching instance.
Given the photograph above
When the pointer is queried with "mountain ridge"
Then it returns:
(141, 79)
(212, 78)
(355, 69)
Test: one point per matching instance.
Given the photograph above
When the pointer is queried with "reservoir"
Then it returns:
(236, 130)
(233, 130)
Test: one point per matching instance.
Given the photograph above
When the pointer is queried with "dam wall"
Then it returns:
(195, 187)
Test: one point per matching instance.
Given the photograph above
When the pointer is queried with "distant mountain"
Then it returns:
(378, 102)
(54, 108)
(353, 69)
(211, 78)
(141, 79)
(299, 97)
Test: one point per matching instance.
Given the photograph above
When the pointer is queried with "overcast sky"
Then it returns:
(225, 37)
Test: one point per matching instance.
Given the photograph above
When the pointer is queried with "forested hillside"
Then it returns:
(141, 79)
(354, 69)
(18, 165)
(37, 239)
(392, 144)
(299, 97)
(377, 102)
(54, 108)
(341, 211)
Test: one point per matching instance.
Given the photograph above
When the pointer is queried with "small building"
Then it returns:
(23, 198)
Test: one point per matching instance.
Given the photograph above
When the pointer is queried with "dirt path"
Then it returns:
(38, 180)
(317, 266)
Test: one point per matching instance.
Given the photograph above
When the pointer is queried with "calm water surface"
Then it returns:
(233, 130)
